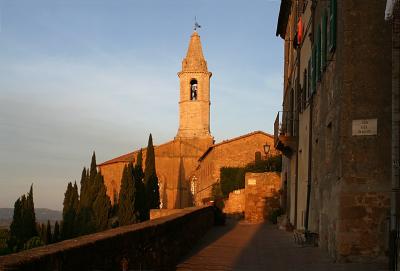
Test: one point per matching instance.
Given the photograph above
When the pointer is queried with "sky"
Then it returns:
(95, 75)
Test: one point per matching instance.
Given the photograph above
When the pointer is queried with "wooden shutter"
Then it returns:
(318, 57)
(332, 25)
(309, 78)
(314, 69)
(323, 41)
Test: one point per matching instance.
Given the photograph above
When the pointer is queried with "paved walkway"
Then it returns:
(243, 246)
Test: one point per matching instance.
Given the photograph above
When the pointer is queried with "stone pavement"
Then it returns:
(245, 246)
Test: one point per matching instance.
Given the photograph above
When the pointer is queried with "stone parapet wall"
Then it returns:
(156, 244)
(157, 213)
(262, 195)
(235, 202)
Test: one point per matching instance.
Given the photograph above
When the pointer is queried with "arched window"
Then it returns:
(193, 89)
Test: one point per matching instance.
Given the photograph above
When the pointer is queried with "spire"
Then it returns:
(194, 60)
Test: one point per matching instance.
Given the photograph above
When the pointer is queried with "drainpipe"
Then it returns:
(310, 125)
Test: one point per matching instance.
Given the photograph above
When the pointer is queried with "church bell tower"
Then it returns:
(194, 103)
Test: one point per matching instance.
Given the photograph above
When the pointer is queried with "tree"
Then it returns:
(14, 242)
(49, 238)
(83, 223)
(89, 193)
(101, 205)
(150, 178)
(29, 216)
(70, 210)
(33, 242)
(42, 233)
(56, 234)
(114, 207)
(23, 226)
(126, 209)
(140, 198)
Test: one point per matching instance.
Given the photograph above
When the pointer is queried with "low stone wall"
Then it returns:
(155, 244)
(157, 213)
(262, 196)
(235, 202)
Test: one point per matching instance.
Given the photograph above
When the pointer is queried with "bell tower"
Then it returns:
(194, 103)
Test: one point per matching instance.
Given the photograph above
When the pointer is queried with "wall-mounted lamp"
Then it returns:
(267, 148)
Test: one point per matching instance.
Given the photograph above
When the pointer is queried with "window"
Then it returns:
(318, 57)
(332, 25)
(193, 90)
(309, 78)
(314, 69)
(323, 42)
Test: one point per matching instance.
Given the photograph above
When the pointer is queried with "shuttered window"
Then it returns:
(309, 78)
(314, 69)
(332, 25)
(323, 42)
(318, 56)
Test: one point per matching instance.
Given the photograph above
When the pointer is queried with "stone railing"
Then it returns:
(155, 244)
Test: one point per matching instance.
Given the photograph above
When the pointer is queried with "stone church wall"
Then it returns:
(175, 161)
(236, 152)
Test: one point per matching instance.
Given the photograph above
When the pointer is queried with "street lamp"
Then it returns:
(267, 147)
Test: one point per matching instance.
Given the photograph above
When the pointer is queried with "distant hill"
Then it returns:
(42, 215)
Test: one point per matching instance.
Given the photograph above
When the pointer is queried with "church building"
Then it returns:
(188, 165)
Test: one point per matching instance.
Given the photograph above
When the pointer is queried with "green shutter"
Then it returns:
(318, 56)
(314, 69)
(323, 45)
(332, 25)
(309, 79)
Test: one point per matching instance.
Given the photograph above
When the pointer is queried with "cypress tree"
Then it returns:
(140, 198)
(70, 209)
(93, 168)
(114, 208)
(150, 178)
(89, 193)
(23, 226)
(68, 221)
(126, 208)
(83, 185)
(29, 216)
(48, 233)
(101, 205)
(84, 205)
(42, 233)
(56, 234)
(14, 242)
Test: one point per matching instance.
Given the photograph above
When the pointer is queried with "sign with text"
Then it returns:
(365, 127)
(251, 181)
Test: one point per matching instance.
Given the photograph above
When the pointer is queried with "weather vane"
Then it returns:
(196, 25)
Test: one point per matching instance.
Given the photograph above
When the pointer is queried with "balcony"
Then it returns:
(285, 132)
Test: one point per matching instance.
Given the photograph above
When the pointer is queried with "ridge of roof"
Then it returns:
(232, 139)
(128, 157)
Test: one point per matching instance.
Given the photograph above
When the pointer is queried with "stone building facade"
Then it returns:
(335, 127)
(178, 160)
(236, 152)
